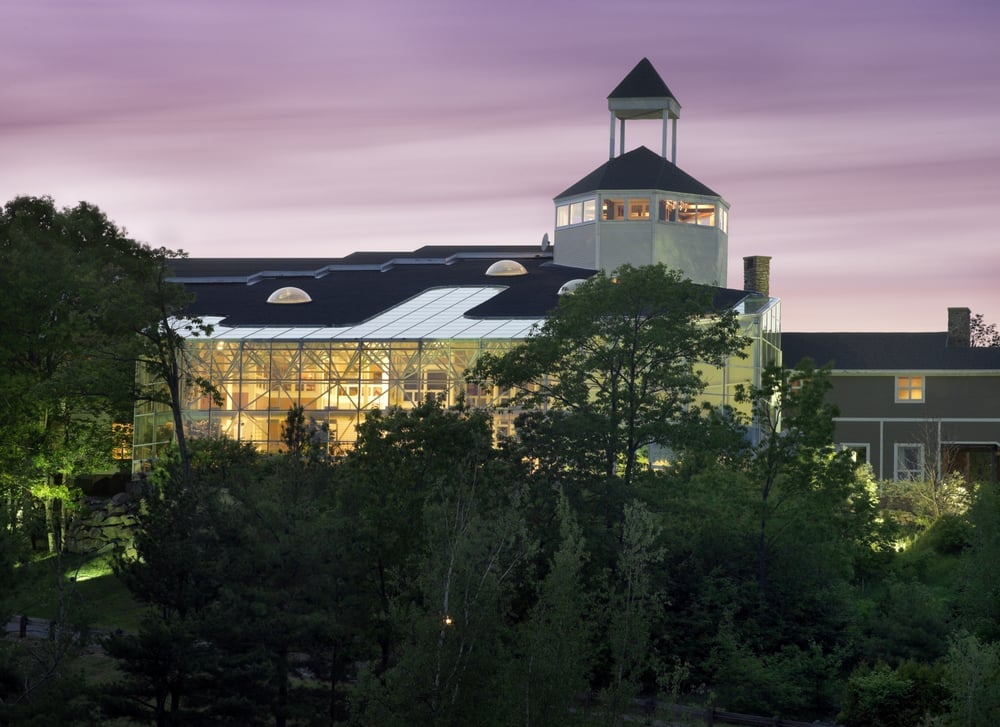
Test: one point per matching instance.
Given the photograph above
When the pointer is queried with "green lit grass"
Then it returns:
(85, 588)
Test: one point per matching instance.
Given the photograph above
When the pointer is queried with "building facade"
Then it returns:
(343, 336)
(912, 405)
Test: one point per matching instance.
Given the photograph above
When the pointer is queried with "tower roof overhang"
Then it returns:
(638, 169)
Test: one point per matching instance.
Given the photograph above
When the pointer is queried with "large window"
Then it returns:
(910, 389)
(576, 213)
(697, 213)
(909, 461)
(638, 208)
(613, 209)
(702, 214)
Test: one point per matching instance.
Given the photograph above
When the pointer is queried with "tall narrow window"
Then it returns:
(562, 215)
(910, 389)
(909, 461)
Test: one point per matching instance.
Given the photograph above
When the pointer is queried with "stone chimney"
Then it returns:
(959, 332)
(757, 274)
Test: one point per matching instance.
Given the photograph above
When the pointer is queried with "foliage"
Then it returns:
(633, 608)
(972, 675)
(905, 620)
(615, 365)
(75, 291)
(980, 594)
(554, 649)
(983, 334)
(442, 619)
(882, 696)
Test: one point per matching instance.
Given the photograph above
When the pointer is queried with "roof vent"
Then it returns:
(289, 296)
(570, 285)
(506, 269)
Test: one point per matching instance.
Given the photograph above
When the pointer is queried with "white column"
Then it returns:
(673, 140)
(611, 154)
(663, 145)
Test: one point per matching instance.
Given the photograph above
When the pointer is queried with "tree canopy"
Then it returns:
(615, 366)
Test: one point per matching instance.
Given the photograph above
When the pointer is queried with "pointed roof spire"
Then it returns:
(642, 82)
(642, 94)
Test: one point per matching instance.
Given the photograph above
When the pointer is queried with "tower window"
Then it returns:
(576, 213)
(613, 209)
(668, 210)
(697, 213)
(638, 208)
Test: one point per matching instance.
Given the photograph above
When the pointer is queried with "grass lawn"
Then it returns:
(88, 590)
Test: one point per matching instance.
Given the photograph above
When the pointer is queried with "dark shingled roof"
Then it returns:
(886, 352)
(642, 82)
(639, 169)
(358, 287)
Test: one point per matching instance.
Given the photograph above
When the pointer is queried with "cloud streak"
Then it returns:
(856, 142)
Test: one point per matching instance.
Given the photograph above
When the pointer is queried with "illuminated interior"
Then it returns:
(910, 388)
(337, 382)
(576, 213)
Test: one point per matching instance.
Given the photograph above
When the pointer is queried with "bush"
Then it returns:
(949, 535)
(880, 696)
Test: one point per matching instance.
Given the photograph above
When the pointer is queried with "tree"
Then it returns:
(442, 539)
(982, 334)
(180, 568)
(795, 467)
(615, 366)
(555, 644)
(61, 384)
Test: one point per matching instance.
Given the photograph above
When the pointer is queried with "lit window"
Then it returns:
(668, 210)
(697, 213)
(910, 389)
(562, 215)
(122, 437)
(576, 213)
(724, 220)
(613, 209)
(638, 208)
(909, 461)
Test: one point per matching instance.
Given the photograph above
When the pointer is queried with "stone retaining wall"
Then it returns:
(104, 525)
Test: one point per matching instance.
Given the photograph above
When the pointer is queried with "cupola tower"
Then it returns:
(639, 207)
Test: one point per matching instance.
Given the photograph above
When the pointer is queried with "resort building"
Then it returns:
(343, 336)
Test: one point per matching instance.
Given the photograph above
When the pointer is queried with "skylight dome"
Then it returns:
(289, 296)
(506, 268)
(570, 285)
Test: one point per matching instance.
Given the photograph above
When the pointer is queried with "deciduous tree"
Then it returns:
(614, 367)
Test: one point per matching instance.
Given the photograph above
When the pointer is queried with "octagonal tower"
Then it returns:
(639, 207)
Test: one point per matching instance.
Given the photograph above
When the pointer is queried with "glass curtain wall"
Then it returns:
(336, 382)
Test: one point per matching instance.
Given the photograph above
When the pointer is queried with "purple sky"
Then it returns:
(858, 142)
